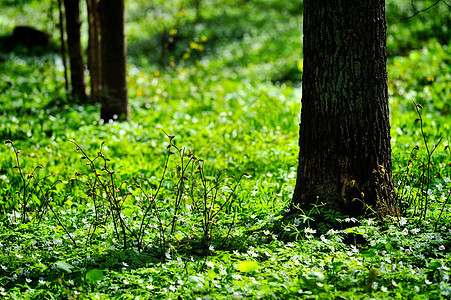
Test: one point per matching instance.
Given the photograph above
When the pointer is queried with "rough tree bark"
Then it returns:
(94, 49)
(113, 61)
(77, 67)
(345, 152)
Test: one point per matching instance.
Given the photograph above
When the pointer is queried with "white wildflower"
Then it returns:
(382, 268)
(252, 253)
(332, 232)
(210, 264)
(309, 231)
(236, 276)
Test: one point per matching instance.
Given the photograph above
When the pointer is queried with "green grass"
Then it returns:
(234, 98)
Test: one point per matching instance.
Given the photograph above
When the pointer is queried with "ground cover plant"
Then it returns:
(190, 199)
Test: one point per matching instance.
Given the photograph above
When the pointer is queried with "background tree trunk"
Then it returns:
(197, 5)
(345, 151)
(94, 49)
(113, 63)
(77, 67)
(63, 45)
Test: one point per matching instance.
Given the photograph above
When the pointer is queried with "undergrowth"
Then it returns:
(124, 211)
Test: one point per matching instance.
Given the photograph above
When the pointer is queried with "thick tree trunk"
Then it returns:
(113, 63)
(94, 49)
(345, 153)
(77, 67)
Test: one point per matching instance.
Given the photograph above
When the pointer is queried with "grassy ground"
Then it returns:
(228, 88)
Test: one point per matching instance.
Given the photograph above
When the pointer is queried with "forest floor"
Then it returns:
(111, 213)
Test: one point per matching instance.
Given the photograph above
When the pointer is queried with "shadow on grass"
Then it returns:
(163, 47)
(26, 41)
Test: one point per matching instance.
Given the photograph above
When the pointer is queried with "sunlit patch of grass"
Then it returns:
(236, 103)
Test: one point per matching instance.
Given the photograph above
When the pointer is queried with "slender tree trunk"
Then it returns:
(77, 67)
(94, 49)
(63, 45)
(197, 5)
(345, 153)
(114, 85)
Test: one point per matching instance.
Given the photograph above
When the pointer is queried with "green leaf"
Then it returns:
(226, 257)
(434, 265)
(301, 65)
(354, 231)
(315, 276)
(379, 246)
(312, 278)
(248, 266)
(196, 279)
(128, 211)
(368, 253)
(36, 200)
(211, 274)
(337, 265)
(389, 247)
(94, 275)
(64, 266)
